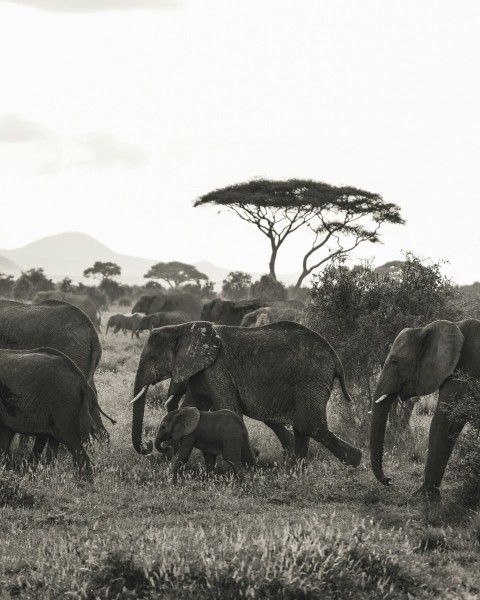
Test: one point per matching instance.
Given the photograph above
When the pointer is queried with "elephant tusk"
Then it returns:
(139, 394)
(381, 399)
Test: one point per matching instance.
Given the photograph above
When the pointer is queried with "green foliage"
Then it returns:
(30, 282)
(360, 311)
(340, 218)
(125, 301)
(103, 270)
(66, 286)
(175, 273)
(236, 285)
(6, 285)
(267, 288)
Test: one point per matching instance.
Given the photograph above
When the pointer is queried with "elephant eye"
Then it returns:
(393, 361)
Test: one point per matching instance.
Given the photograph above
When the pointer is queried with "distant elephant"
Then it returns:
(113, 321)
(178, 302)
(161, 319)
(269, 314)
(421, 361)
(218, 432)
(280, 374)
(57, 325)
(228, 312)
(82, 301)
(43, 392)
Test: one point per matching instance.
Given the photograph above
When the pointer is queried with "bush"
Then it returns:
(267, 288)
(360, 311)
(125, 301)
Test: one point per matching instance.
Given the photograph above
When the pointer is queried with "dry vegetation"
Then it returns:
(325, 532)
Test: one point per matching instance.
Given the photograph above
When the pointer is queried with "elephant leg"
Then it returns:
(345, 452)
(442, 437)
(232, 453)
(302, 442)
(52, 450)
(6, 437)
(248, 457)
(210, 460)
(81, 460)
(282, 433)
(38, 447)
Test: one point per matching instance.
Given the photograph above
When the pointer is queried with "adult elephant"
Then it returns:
(82, 301)
(54, 324)
(421, 361)
(269, 314)
(175, 302)
(280, 374)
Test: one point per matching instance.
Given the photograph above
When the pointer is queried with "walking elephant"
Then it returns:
(282, 373)
(161, 319)
(82, 301)
(124, 323)
(269, 314)
(57, 325)
(178, 302)
(229, 312)
(421, 361)
(43, 392)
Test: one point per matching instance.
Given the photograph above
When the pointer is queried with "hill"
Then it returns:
(9, 267)
(72, 252)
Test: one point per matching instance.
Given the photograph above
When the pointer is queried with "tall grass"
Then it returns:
(322, 531)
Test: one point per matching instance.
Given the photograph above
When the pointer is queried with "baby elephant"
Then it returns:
(217, 432)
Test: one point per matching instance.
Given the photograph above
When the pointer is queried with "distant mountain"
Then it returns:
(9, 267)
(71, 253)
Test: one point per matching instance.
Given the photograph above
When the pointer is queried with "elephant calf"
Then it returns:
(43, 392)
(218, 432)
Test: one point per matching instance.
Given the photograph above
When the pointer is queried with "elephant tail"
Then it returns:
(340, 375)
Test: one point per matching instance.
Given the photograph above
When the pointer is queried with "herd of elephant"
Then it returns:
(225, 359)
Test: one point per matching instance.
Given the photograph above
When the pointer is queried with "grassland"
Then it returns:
(323, 532)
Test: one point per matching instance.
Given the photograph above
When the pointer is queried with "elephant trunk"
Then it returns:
(140, 390)
(377, 436)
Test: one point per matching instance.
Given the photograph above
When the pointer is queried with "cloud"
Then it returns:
(15, 129)
(105, 151)
(97, 5)
(94, 150)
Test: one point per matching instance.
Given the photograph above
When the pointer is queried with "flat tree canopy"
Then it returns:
(339, 218)
(175, 273)
(104, 270)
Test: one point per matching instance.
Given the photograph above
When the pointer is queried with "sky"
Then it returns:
(115, 115)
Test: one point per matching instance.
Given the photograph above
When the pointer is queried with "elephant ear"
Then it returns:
(216, 308)
(440, 344)
(196, 348)
(186, 421)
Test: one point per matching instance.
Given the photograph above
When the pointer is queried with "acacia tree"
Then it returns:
(104, 270)
(339, 218)
(175, 273)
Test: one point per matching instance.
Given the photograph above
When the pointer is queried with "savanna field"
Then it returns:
(327, 531)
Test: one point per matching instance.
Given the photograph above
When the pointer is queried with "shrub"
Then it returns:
(125, 301)
(266, 288)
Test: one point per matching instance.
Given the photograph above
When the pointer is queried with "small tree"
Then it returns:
(65, 285)
(30, 282)
(103, 270)
(6, 285)
(339, 218)
(236, 285)
(175, 273)
(267, 288)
